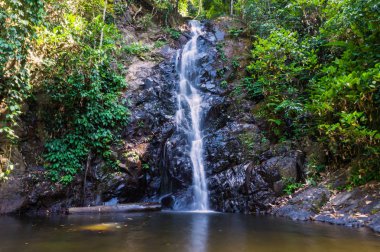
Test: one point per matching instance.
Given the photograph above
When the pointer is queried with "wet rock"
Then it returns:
(278, 187)
(167, 201)
(219, 35)
(123, 187)
(240, 189)
(305, 204)
(12, 196)
(338, 219)
(183, 39)
(288, 167)
(356, 208)
(341, 198)
(374, 224)
(224, 148)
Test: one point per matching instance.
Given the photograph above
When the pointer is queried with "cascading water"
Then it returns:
(188, 116)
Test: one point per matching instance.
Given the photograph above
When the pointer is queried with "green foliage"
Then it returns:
(220, 49)
(280, 70)
(159, 43)
(290, 185)
(137, 49)
(315, 71)
(145, 166)
(145, 21)
(345, 93)
(92, 111)
(235, 32)
(6, 165)
(365, 171)
(224, 84)
(78, 78)
(173, 33)
(235, 62)
(215, 8)
(17, 22)
(253, 88)
(314, 170)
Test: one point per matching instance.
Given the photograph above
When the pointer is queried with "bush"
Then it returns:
(281, 68)
(82, 87)
(290, 186)
(173, 33)
(145, 21)
(315, 71)
(18, 20)
(137, 49)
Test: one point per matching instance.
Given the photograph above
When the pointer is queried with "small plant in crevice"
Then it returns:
(314, 169)
(235, 62)
(264, 140)
(222, 71)
(290, 185)
(221, 52)
(145, 166)
(237, 91)
(224, 84)
(159, 43)
(248, 140)
(145, 21)
(235, 33)
(5, 168)
(173, 33)
(136, 48)
(140, 124)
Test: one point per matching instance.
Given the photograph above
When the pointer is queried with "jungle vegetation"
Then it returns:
(314, 69)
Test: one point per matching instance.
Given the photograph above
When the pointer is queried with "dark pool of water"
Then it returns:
(168, 231)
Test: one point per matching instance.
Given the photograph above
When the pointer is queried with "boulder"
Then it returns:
(241, 189)
(304, 205)
(12, 196)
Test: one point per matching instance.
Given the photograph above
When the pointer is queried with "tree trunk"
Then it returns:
(104, 19)
(200, 7)
(176, 7)
(88, 164)
(122, 208)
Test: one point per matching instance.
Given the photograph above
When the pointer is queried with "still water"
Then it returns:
(175, 231)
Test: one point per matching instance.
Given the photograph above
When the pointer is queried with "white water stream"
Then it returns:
(190, 101)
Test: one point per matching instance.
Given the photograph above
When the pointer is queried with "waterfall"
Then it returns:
(188, 116)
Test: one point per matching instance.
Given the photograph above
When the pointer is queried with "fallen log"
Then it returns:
(121, 208)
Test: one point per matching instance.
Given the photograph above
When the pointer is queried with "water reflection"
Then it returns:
(199, 232)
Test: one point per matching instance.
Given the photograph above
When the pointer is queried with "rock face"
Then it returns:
(250, 188)
(243, 189)
(152, 122)
(244, 172)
